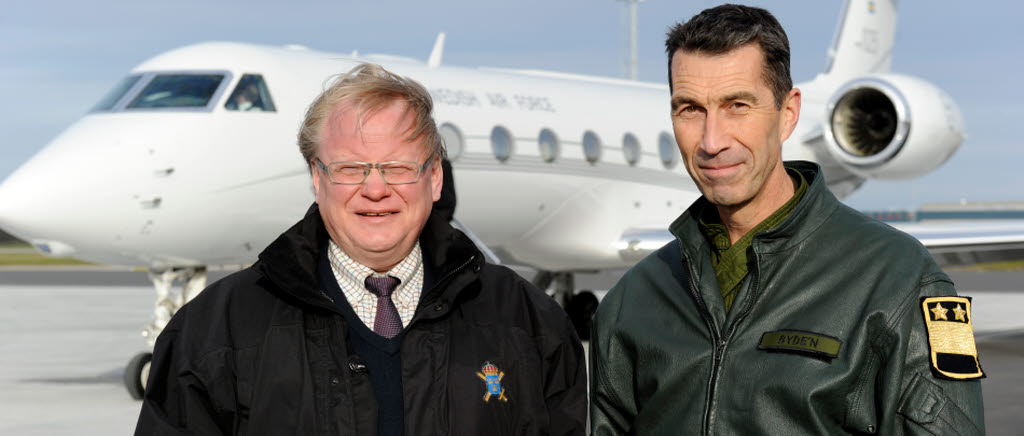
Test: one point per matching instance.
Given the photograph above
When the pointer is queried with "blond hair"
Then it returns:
(370, 88)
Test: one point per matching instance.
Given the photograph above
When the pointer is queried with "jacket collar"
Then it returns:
(813, 210)
(446, 251)
(290, 261)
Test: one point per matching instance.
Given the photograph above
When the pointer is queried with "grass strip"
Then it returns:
(34, 259)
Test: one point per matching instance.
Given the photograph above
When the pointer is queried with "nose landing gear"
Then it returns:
(136, 374)
(168, 301)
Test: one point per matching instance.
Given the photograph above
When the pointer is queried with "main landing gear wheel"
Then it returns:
(136, 374)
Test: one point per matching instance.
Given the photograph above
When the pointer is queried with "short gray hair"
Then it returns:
(370, 88)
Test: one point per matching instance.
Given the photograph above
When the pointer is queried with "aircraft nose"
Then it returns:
(13, 204)
(19, 202)
(31, 206)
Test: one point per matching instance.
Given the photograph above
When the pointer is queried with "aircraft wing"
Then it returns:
(969, 242)
(950, 243)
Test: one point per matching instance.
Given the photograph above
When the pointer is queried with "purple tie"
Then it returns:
(387, 323)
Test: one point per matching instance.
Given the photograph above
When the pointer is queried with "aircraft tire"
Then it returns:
(136, 374)
(581, 309)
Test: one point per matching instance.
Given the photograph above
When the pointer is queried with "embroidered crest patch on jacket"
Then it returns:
(492, 376)
(951, 337)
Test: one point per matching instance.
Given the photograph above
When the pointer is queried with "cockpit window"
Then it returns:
(251, 94)
(112, 97)
(178, 91)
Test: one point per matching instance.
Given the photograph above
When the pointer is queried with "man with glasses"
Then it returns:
(372, 315)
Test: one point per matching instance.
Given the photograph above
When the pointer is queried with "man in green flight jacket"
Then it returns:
(777, 309)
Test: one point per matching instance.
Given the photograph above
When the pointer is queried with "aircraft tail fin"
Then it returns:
(864, 38)
(435, 55)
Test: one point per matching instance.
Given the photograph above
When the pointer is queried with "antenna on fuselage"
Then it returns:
(630, 21)
(435, 55)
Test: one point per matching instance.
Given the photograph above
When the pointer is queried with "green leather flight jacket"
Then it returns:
(666, 358)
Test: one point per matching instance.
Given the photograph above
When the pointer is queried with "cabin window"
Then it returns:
(501, 143)
(667, 150)
(178, 91)
(547, 142)
(452, 138)
(591, 147)
(110, 100)
(251, 94)
(630, 148)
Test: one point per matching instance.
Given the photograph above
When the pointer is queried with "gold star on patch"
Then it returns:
(960, 312)
(940, 312)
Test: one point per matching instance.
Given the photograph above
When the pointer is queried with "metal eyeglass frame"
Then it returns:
(371, 166)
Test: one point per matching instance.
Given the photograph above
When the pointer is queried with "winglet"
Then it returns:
(864, 39)
(435, 55)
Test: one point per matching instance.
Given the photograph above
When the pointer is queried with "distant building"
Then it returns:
(994, 210)
(893, 216)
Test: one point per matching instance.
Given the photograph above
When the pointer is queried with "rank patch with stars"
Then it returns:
(951, 337)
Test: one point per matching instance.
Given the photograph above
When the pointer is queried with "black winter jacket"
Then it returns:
(264, 352)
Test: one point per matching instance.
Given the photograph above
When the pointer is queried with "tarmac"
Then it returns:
(67, 333)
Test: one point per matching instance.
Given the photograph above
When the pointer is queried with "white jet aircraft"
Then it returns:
(191, 162)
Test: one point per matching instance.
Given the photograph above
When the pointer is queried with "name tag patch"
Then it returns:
(951, 337)
(798, 341)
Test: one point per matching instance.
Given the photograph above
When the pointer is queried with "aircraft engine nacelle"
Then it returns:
(891, 127)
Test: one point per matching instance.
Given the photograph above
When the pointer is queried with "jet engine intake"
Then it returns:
(891, 127)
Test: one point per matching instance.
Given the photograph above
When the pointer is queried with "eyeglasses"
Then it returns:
(354, 173)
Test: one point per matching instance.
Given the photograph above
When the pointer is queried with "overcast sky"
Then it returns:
(57, 58)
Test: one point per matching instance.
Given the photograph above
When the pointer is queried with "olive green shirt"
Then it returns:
(731, 260)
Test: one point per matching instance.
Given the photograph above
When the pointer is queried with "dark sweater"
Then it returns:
(380, 355)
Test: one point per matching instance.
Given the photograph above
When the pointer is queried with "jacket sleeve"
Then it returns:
(927, 404)
(176, 401)
(612, 406)
(565, 385)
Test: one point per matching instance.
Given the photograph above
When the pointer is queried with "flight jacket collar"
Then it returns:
(812, 211)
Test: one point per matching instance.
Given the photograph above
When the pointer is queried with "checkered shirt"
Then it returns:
(351, 277)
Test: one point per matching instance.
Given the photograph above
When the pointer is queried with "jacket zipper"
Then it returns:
(720, 342)
(453, 272)
(439, 283)
(328, 297)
